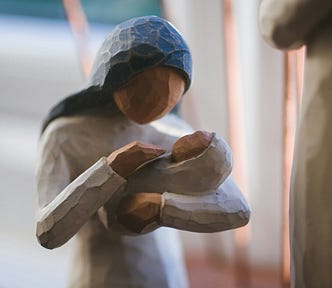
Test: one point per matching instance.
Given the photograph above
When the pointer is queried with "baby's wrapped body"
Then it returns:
(197, 192)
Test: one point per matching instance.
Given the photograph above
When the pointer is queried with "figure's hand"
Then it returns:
(127, 159)
(192, 145)
(137, 211)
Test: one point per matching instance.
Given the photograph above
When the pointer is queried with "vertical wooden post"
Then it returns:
(80, 29)
(293, 77)
(236, 122)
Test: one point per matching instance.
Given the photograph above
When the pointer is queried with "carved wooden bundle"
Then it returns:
(201, 173)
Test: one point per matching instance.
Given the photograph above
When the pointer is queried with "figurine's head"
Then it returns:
(151, 94)
(146, 65)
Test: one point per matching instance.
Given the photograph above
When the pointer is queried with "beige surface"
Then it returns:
(289, 24)
(311, 197)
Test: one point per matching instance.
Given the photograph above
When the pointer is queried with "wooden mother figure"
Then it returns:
(117, 165)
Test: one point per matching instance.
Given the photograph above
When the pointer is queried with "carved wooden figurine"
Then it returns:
(111, 174)
(290, 24)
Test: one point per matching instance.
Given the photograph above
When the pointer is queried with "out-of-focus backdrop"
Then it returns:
(237, 92)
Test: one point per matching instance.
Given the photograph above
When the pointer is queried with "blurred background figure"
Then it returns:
(238, 92)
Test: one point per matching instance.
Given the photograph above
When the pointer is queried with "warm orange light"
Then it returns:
(294, 64)
(79, 27)
(237, 141)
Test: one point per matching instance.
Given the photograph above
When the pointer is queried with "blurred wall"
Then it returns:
(38, 66)
(205, 107)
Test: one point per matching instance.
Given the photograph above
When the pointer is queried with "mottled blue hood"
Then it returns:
(136, 45)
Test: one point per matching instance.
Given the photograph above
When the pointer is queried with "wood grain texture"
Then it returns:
(150, 95)
(106, 258)
(138, 211)
(200, 176)
(71, 209)
(191, 145)
(128, 158)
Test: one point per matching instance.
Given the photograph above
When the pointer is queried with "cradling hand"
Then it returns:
(127, 159)
(138, 211)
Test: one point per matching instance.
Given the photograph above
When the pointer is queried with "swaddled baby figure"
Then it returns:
(187, 188)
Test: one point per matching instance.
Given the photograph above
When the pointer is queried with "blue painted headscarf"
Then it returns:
(132, 47)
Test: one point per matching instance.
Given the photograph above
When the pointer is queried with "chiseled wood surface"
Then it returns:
(191, 145)
(287, 24)
(159, 88)
(128, 158)
(137, 211)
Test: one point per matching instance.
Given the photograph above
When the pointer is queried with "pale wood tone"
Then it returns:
(202, 172)
(311, 197)
(288, 24)
(66, 214)
(191, 145)
(62, 218)
(150, 95)
(127, 159)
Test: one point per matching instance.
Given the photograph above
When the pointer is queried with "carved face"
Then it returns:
(150, 95)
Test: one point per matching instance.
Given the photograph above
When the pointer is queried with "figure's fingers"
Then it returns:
(137, 211)
(191, 145)
(127, 159)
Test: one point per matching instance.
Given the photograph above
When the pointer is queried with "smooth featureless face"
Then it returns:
(150, 95)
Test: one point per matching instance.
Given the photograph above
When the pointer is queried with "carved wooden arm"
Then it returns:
(61, 219)
(65, 215)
